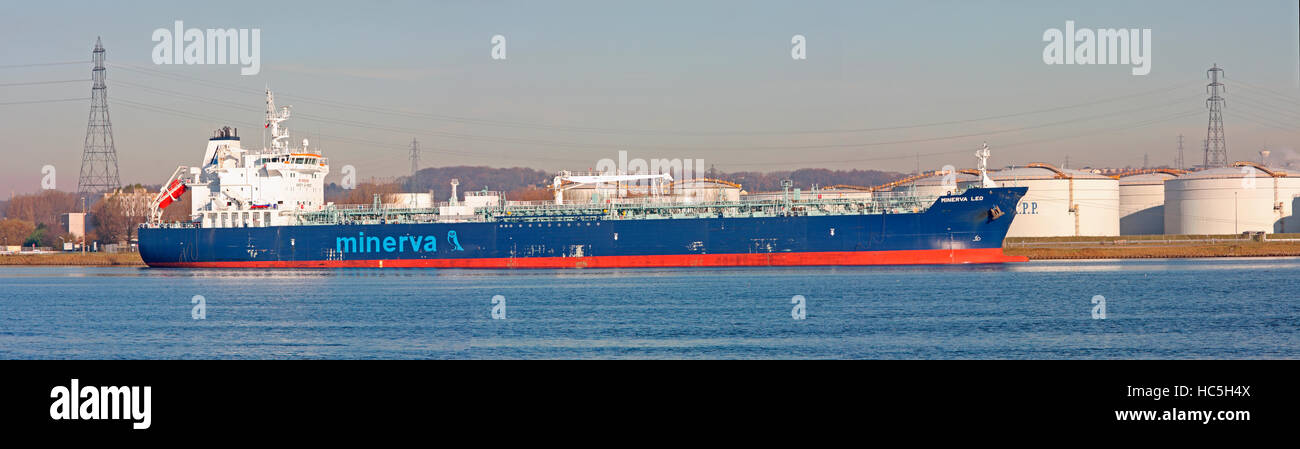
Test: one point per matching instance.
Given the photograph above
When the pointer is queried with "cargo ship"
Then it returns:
(266, 209)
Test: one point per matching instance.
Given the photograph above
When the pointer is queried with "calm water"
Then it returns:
(1206, 308)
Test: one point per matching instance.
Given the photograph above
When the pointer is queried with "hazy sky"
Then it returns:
(711, 80)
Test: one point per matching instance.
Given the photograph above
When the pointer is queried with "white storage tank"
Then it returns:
(764, 196)
(1062, 202)
(1142, 201)
(841, 192)
(704, 190)
(409, 200)
(832, 192)
(928, 185)
(938, 184)
(589, 193)
(1232, 200)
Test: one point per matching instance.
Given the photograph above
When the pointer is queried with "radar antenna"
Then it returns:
(273, 119)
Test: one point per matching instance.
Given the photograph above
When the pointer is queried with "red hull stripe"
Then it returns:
(907, 257)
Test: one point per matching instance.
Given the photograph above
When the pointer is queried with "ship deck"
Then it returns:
(646, 209)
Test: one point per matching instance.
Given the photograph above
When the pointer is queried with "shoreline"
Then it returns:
(73, 259)
(1046, 248)
(1151, 247)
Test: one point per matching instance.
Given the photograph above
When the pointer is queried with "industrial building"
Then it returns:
(1246, 197)
(73, 224)
(1062, 202)
(1142, 201)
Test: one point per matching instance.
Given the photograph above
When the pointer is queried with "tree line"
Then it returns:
(35, 219)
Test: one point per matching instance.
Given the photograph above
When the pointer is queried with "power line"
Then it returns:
(472, 137)
(1272, 114)
(1095, 131)
(1265, 89)
(211, 119)
(1260, 120)
(731, 133)
(1294, 115)
(391, 146)
(40, 64)
(45, 101)
(1271, 99)
(1010, 145)
(385, 145)
(31, 83)
(526, 141)
(526, 125)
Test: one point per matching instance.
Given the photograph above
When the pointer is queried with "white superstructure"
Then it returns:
(239, 187)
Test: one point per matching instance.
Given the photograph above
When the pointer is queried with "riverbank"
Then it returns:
(1044, 248)
(73, 259)
(1152, 247)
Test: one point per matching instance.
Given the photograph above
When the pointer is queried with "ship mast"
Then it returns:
(273, 119)
(982, 156)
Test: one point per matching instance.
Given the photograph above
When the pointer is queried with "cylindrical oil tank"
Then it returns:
(1142, 202)
(940, 184)
(1062, 202)
(763, 196)
(1231, 200)
(588, 193)
(705, 190)
(842, 192)
(929, 185)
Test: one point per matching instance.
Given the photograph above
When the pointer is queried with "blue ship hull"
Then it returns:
(966, 228)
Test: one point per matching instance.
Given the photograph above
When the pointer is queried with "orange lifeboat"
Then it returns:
(173, 193)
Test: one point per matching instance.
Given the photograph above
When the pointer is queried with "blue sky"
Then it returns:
(711, 80)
